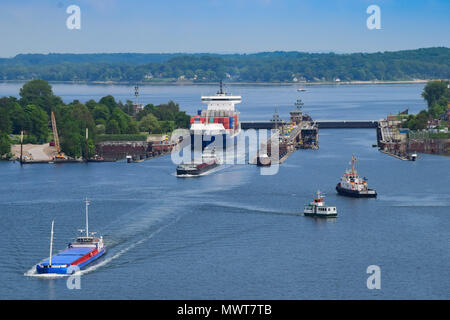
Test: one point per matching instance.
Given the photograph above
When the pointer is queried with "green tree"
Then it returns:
(167, 126)
(132, 128)
(109, 101)
(122, 119)
(182, 120)
(19, 119)
(38, 122)
(5, 145)
(112, 127)
(436, 92)
(149, 124)
(39, 93)
(101, 111)
(5, 115)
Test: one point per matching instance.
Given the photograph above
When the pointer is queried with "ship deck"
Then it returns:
(68, 256)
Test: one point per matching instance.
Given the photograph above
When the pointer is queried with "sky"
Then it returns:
(221, 26)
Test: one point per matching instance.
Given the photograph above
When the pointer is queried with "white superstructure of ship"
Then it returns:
(218, 123)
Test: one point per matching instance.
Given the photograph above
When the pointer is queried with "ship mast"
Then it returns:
(353, 164)
(87, 218)
(51, 244)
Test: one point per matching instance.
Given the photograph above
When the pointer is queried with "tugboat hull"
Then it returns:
(370, 193)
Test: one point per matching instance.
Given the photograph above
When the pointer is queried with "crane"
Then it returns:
(59, 155)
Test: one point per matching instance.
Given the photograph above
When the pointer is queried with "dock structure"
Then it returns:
(321, 124)
(390, 141)
(301, 132)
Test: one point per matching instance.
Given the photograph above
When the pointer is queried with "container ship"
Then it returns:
(218, 124)
(207, 163)
(86, 249)
(352, 185)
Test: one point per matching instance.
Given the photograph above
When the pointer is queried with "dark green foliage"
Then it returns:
(417, 122)
(109, 101)
(149, 124)
(106, 116)
(31, 118)
(429, 63)
(39, 93)
(72, 121)
(5, 145)
(101, 112)
(113, 127)
(437, 95)
(37, 124)
(436, 92)
(163, 113)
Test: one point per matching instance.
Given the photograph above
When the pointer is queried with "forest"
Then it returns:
(105, 118)
(276, 67)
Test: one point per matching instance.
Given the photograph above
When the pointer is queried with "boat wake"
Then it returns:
(102, 261)
(255, 209)
(107, 260)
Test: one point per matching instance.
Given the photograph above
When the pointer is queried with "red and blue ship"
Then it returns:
(86, 249)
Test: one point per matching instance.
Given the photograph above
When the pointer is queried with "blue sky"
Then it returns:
(224, 26)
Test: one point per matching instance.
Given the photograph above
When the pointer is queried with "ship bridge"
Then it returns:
(221, 101)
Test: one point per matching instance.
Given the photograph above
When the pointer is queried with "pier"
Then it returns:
(301, 132)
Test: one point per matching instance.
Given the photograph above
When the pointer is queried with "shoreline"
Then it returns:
(191, 83)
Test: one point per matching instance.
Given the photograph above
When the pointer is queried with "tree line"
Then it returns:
(31, 113)
(437, 96)
(427, 63)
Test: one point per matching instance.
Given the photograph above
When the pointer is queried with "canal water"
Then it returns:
(237, 234)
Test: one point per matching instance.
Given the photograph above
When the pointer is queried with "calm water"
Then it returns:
(235, 233)
(323, 102)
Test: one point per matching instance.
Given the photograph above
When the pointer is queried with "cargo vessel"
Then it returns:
(195, 168)
(352, 185)
(317, 208)
(86, 249)
(217, 125)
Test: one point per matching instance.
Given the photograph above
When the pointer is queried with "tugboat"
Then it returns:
(317, 208)
(352, 185)
(78, 254)
(207, 163)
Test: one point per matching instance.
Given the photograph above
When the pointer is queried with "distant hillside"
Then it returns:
(429, 63)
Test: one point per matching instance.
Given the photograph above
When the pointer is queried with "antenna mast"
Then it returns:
(221, 88)
(51, 244)
(276, 118)
(136, 93)
(353, 164)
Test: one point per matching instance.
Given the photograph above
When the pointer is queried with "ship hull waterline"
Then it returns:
(356, 194)
(70, 269)
(183, 172)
